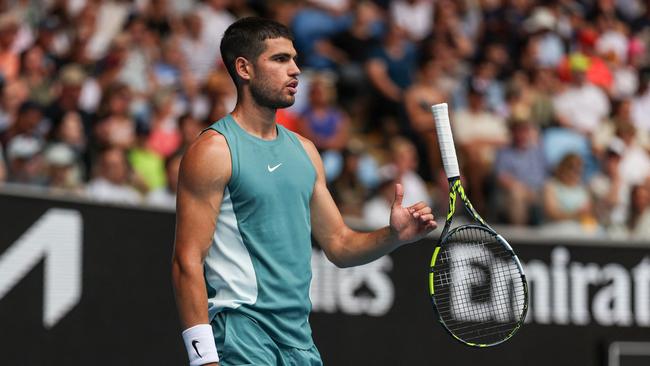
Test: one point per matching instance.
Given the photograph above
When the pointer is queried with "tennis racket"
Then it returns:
(477, 285)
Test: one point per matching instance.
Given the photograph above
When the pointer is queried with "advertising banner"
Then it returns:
(87, 284)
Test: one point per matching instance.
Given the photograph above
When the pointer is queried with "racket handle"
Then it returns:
(445, 140)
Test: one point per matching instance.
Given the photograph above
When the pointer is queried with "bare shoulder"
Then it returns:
(311, 151)
(306, 143)
(207, 162)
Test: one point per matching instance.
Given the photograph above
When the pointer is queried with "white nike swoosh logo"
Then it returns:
(272, 169)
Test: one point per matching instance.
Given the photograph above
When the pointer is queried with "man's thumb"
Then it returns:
(399, 195)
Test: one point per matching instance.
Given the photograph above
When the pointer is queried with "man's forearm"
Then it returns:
(191, 295)
(357, 248)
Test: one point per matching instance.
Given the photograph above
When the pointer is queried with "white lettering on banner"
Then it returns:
(55, 238)
(469, 262)
(611, 303)
(336, 289)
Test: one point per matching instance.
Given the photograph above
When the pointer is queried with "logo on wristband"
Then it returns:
(194, 342)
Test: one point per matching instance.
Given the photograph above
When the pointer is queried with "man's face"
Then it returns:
(274, 76)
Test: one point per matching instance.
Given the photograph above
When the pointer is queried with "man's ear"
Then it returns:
(243, 68)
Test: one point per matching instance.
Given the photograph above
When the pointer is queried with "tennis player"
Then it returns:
(250, 195)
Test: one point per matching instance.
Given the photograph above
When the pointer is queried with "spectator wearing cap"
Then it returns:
(25, 160)
(113, 179)
(596, 71)
(520, 172)
(611, 194)
(541, 27)
(478, 134)
(63, 169)
(582, 106)
(69, 86)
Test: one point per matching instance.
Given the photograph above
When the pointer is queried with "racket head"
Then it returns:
(477, 285)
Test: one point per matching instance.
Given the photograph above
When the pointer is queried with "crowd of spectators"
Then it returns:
(549, 101)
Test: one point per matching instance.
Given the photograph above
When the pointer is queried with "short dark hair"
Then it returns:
(245, 38)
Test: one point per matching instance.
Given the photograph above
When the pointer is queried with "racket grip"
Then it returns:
(445, 140)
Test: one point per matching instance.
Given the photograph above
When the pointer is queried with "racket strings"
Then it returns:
(480, 294)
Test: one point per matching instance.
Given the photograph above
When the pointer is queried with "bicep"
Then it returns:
(200, 191)
(327, 223)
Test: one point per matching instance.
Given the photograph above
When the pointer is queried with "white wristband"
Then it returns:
(199, 342)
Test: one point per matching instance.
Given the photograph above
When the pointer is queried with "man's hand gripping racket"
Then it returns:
(477, 284)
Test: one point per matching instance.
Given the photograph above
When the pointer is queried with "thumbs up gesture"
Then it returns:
(409, 224)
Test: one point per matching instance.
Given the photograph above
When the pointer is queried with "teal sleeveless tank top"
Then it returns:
(259, 263)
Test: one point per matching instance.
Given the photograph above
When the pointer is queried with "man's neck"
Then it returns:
(257, 120)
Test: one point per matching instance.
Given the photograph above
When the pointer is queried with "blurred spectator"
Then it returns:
(415, 16)
(215, 18)
(376, 211)
(311, 26)
(635, 162)
(640, 108)
(9, 59)
(197, 50)
(582, 106)
(36, 70)
(639, 221)
(29, 122)
(323, 122)
(568, 207)
(166, 196)
(108, 17)
(67, 101)
(14, 94)
(350, 48)
(348, 190)
(478, 134)
(607, 130)
(390, 68)
(147, 164)
(25, 160)
(418, 100)
(520, 171)
(611, 194)
(190, 129)
(404, 162)
(548, 46)
(63, 169)
(165, 136)
(115, 128)
(112, 179)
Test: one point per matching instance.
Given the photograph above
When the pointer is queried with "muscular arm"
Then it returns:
(346, 247)
(204, 173)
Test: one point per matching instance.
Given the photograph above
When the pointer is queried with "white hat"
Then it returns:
(59, 154)
(23, 147)
(542, 18)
